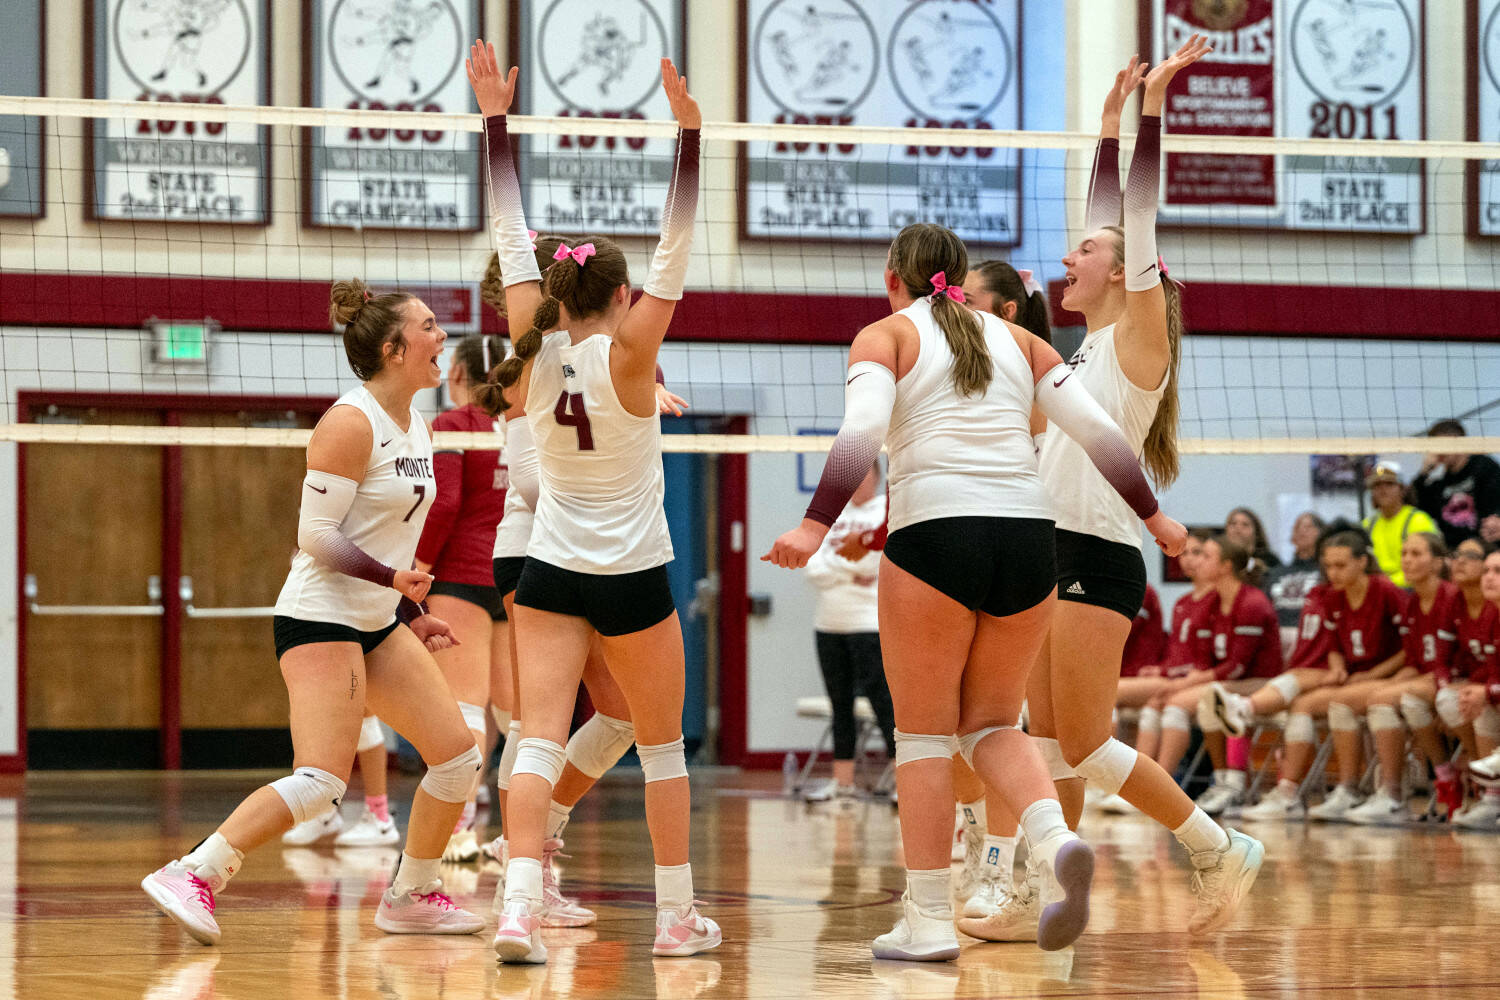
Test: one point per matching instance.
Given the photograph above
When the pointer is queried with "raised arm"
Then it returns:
(1103, 208)
(513, 241)
(640, 336)
(1072, 410)
(1142, 335)
(336, 459)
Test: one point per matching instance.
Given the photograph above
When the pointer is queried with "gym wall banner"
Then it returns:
(596, 59)
(391, 55)
(23, 44)
(188, 51)
(1484, 114)
(925, 64)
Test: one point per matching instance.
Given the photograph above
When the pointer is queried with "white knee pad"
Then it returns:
(1341, 718)
(1383, 718)
(1487, 726)
(1416, 711)
(969, 742)
(914, 746)
(370, 734)
(309, 792)
(663, 761)
(453, 780)
(1447, 707)
(508, 755)
(540, 757)
(501, 717)
(599, 744)
(1057, 765)
(473, 716)
(1300, 728)
(1176, 717)
(1150, 720)
(1108, 766)
(1288, 685)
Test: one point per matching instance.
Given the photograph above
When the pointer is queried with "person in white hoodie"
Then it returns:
(848, 632)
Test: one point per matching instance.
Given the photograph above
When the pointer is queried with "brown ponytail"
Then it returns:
(920, 251)
(1160, 452)
(369, 323)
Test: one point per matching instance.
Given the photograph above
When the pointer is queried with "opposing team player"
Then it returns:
(597, 556)
(350, 630)
(968, 581)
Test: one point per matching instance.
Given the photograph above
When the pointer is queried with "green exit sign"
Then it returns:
(181, 343)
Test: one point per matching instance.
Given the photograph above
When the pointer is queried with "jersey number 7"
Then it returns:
(570, 412)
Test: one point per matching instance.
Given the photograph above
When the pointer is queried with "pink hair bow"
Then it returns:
(579, 254)
(1028, 281)
(1161, 265)
(940, 286)
(531, 235)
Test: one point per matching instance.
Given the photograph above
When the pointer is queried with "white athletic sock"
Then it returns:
(975, 822)
(214, 861)
(1287, 788)
(523, 882)
(1200, 833)
(674, 886)
(1221, 777)
(557, 819)
(1235, 780)
(1000, 854)
(414, 873)
(929, 889)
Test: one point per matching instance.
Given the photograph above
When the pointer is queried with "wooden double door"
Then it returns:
(144, 567)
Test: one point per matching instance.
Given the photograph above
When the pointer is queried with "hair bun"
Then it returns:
(345, 300)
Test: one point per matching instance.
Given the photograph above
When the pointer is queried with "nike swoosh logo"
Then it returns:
(851, 380)
(316, 489)
(1058, 384)
(1149, 270)
(386, 442)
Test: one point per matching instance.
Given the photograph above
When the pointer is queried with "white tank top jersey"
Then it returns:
(514, 533)
(963, 456)
(600, 505)
(1082, 497)
(385, 521)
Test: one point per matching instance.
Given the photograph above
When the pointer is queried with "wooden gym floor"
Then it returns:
(1338, 911)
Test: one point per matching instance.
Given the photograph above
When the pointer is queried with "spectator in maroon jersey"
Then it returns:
(1461, 492)
(1363, 613)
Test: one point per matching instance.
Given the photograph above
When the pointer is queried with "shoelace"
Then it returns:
(201, 892)
(551, 890)
(437, 898)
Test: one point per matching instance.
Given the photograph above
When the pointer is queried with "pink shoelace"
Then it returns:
(201, 892)
(440, 899)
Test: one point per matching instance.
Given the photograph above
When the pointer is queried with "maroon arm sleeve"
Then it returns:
(1103, 208)
(408, 610)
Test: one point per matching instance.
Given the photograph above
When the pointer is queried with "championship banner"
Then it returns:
(1484, 102)
(391, 55)
(924, 64)
(1320, 69)
(189, 51)
(22, 41)
(596, 59)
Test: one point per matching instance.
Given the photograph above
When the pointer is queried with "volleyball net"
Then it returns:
(1340, 293)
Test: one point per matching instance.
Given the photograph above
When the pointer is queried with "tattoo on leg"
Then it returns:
(353, 685)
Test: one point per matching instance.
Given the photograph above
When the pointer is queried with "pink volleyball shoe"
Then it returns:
(430, 912)
(557, 909)
(680, 933)
(185, 898)
(518, 936)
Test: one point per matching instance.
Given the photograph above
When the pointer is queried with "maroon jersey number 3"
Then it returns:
(570, 412)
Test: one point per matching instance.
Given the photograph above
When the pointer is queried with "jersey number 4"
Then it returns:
(570, 412)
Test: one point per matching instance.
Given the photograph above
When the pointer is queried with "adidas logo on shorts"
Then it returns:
(1076, 588)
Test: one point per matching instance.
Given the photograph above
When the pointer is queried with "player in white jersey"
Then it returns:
(1128, 362)
(597, 556)
(601, 741)
(968, 581)
(350, 630)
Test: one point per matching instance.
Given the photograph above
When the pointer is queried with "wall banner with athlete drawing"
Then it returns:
(391, 55)
(596, 59)
(180, 51)
(1484, 114)
(1320, 69)
(929, 63)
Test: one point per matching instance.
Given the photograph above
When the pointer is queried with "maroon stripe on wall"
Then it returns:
(96, 300)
